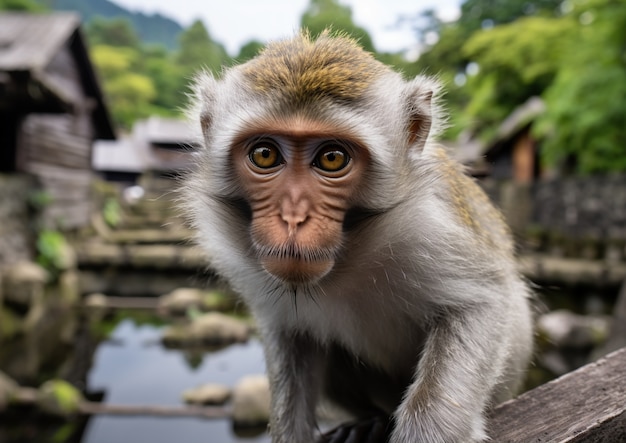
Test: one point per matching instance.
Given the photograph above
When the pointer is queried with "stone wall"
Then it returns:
(593, 207)
(16, 224)
(583, 217)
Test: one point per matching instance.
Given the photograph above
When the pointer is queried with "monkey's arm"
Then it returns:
(294, 370)
(460, 364)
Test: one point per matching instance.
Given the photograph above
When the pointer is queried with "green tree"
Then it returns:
(441, 55)
(478, 14)
(129, 92)
(586, 104)
(329, 14)
(516, 61)
(112, 32)
(199, 51)
(21, 5)
(168, 78)
(249, 50)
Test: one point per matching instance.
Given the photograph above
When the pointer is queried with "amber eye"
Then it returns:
(265, 155)
(332, 158)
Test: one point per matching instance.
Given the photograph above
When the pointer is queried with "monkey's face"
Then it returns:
(299, 181)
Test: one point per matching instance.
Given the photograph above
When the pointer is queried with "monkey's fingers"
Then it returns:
(372, 430)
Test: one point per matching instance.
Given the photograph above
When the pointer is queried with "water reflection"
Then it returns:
(133, 368)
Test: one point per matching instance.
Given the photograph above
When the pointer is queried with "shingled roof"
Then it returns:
(29, 43)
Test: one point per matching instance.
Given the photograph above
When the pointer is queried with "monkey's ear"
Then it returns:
(203, 99)
(420, 110)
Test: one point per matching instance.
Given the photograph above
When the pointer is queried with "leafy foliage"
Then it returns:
(130, 92)
(249, 50)
(117, 32)
(198, 50)
(51, 246)
(571, 54)
(330, 14)
(480, 14)
(21, 5)
(516, 61)
(586, 116)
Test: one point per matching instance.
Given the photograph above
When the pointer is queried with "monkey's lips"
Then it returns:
(296, 265)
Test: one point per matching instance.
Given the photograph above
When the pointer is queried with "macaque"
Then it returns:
(380, 276)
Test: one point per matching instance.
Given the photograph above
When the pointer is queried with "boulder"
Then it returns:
(251, 401)
(565, 329)
(179, 301)
(58, 397)
(96, 301)
(212, 328)
(24, 283)
(208, 394)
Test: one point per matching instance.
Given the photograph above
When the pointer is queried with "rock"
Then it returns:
(208, 394)
(565, 329)
(218, 301)
(24, 283)
(212, 328)
(179, 301)
(7, 388)
(96, 301)
(58, 397)
(251, 401)
(68, 287)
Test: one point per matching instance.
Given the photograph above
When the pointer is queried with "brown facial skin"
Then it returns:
(299, 177)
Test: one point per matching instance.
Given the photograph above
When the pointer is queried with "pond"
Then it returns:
(133, 368)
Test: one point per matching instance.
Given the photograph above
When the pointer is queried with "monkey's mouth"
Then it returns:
(295, 264)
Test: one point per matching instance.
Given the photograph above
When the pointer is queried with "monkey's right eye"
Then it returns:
(265, 155)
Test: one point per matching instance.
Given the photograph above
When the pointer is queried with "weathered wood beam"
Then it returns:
(587, 405)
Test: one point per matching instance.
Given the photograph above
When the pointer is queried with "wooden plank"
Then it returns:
(572, 271)
(140, 256)
(587, 405)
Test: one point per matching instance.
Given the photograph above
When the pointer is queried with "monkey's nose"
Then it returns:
(294, 215)
(294, 221)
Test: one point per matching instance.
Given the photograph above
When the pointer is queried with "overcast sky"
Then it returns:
(235, 22)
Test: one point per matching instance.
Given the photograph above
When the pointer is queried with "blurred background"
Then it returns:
(109, 319)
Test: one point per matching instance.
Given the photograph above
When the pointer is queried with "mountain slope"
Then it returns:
(156, 28)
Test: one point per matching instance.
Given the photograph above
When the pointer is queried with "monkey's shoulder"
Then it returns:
(470, 204)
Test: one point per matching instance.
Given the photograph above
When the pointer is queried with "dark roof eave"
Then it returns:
(102, 119)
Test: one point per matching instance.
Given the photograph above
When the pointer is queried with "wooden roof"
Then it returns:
(520, 119)
(28, 44)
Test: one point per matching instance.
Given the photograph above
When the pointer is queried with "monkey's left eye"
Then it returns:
(332, 158)
(265, 155)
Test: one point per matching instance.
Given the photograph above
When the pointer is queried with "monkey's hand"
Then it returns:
(372, 430)
(437, 426)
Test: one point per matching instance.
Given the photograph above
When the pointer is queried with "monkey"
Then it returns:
(380, 276)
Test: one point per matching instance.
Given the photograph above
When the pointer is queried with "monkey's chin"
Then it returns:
(291, 270)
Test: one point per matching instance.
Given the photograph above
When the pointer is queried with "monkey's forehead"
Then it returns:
(301, 70)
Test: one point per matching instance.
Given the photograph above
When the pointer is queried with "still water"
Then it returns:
(133, 368)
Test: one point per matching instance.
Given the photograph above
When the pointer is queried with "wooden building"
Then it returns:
(156, 150)
(51, 110)
(513, 154)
